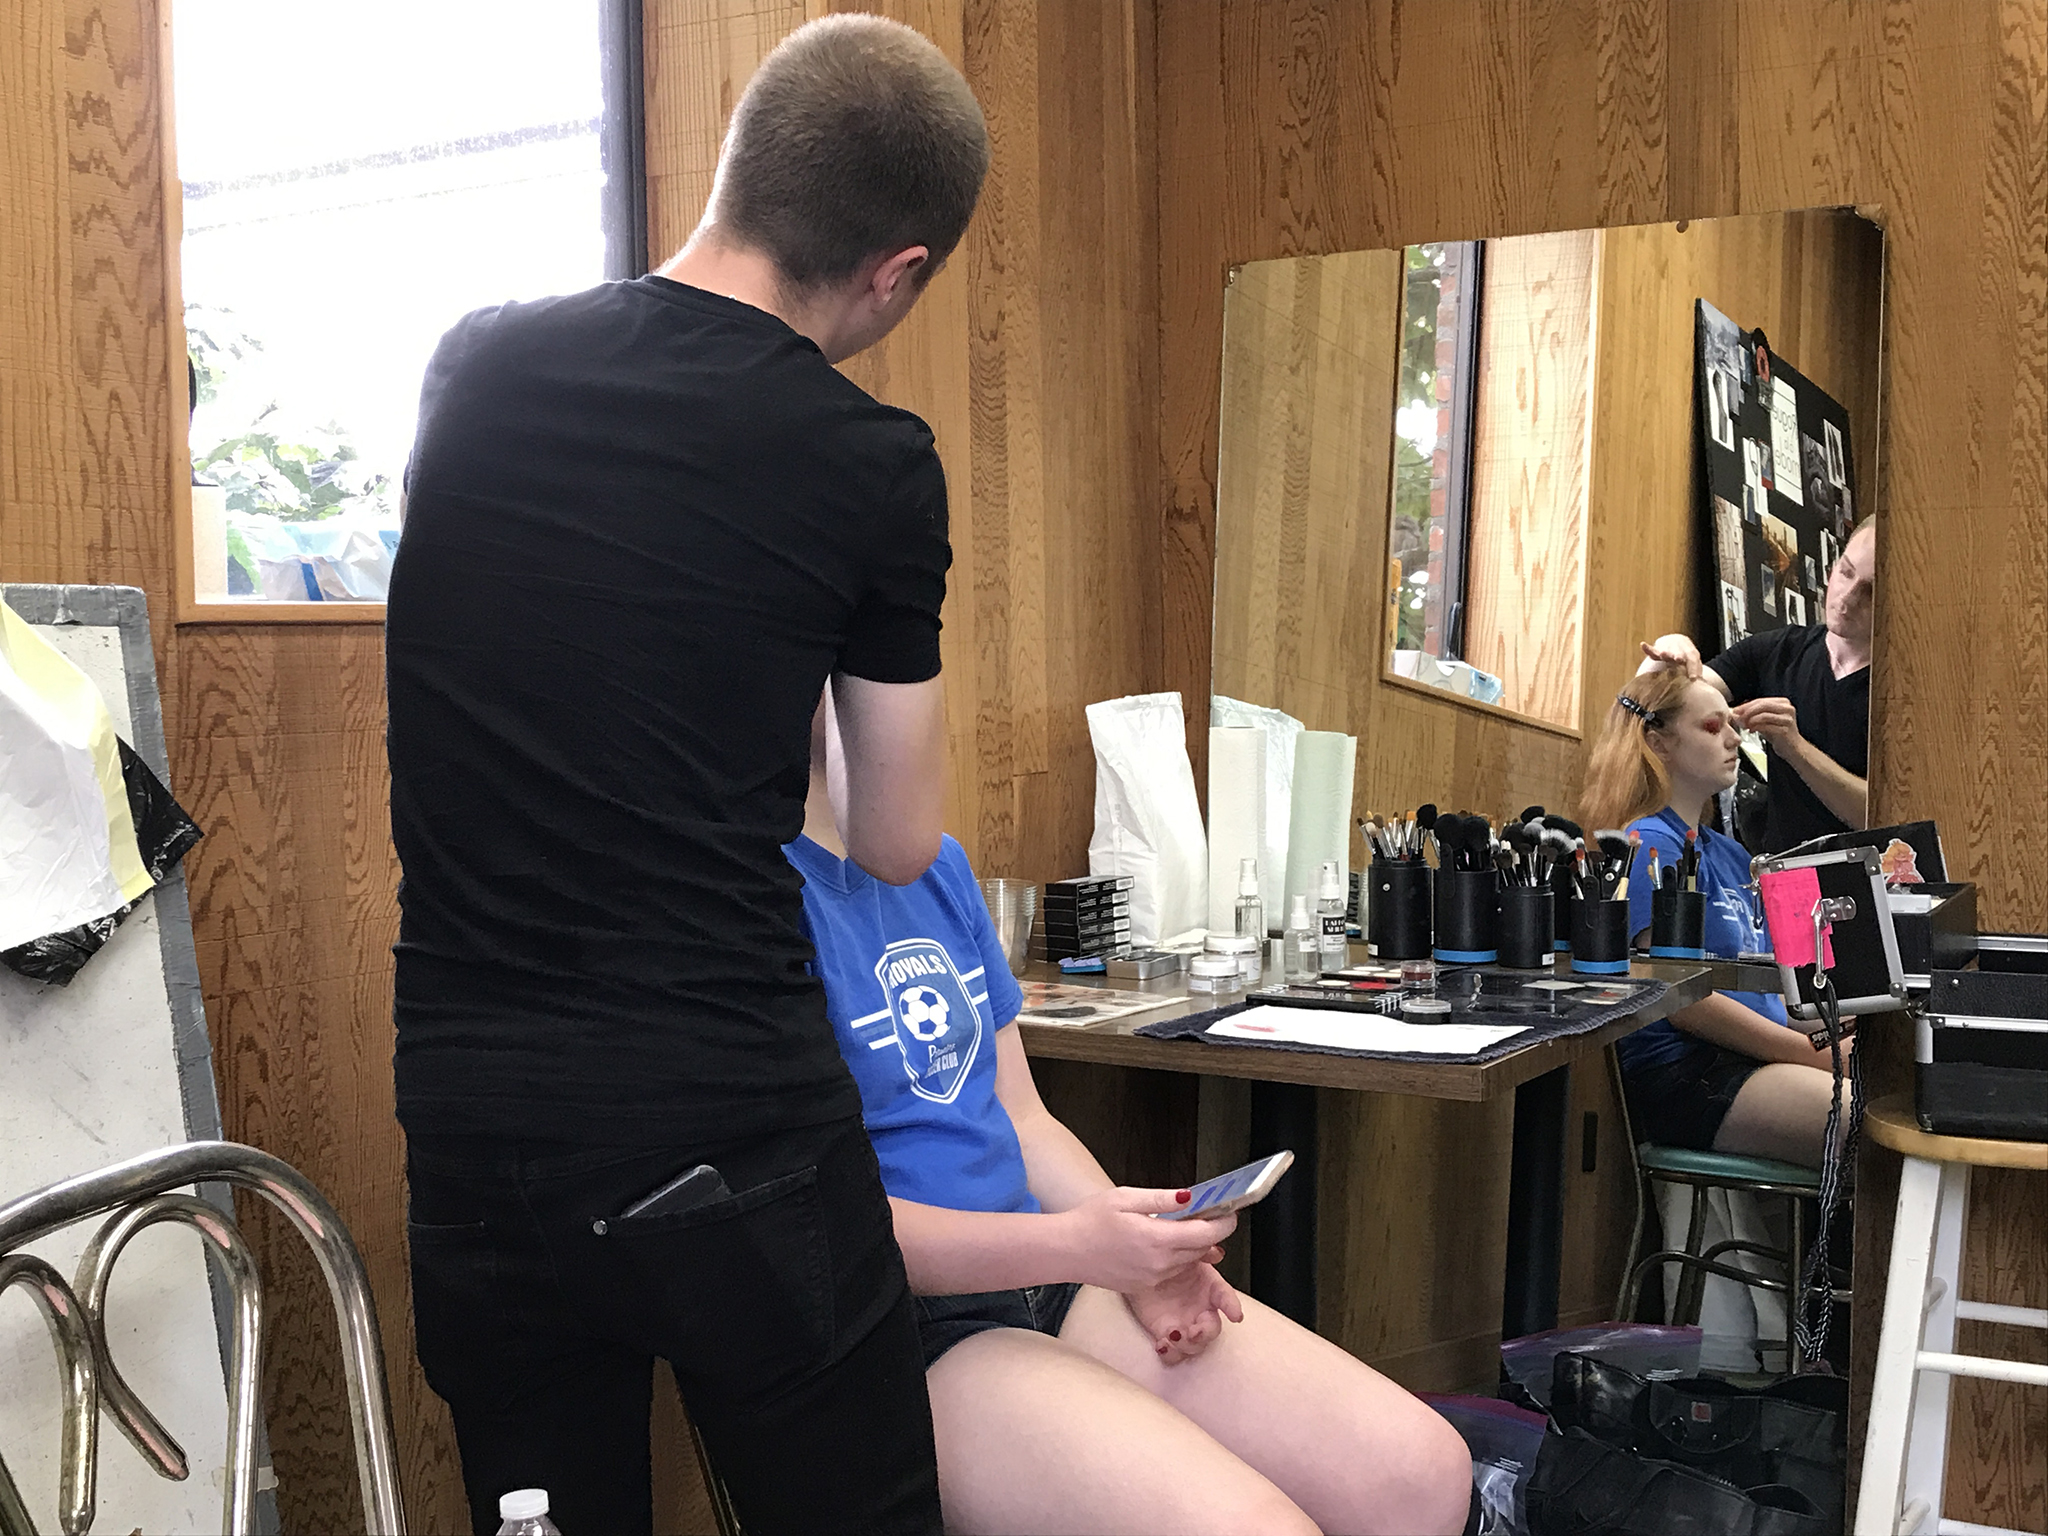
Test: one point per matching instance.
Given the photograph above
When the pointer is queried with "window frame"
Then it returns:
(622, 144)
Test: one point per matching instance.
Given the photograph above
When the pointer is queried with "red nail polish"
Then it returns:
(1183, 1197)
(1175, 1335)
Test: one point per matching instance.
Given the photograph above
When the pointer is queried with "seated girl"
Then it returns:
(1089, 1369)
(1727, 1073)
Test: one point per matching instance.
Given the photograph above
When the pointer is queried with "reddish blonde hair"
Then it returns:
(1624, 778)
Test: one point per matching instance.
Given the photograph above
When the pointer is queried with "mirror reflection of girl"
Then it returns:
(1727, 1073)
(1089, 1370)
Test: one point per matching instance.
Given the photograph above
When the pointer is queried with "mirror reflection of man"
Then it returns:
(1806, 690)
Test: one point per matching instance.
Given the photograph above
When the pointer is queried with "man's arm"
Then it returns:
(1667, 651)
(1777, 721)
(885, 764)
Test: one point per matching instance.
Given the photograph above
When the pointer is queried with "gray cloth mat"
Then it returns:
(1569, 1020)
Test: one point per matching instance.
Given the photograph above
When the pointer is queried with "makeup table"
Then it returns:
(1283, 1249)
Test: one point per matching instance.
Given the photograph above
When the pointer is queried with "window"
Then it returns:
(1433, 420)
(355, 179)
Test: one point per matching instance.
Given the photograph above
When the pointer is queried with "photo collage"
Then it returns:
(1775, 450)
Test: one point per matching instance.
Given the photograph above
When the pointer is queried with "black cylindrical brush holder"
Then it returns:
(1527, 930)
(1678, 924)
(1467, 916)
(1564, 895)
(1397, 910)
(1600, 938)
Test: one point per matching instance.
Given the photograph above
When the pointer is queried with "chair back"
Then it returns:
(145, 1191)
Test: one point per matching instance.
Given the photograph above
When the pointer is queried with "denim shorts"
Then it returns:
(1682, 1102)
(943, 1321)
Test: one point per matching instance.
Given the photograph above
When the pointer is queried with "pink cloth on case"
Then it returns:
(1789, 898)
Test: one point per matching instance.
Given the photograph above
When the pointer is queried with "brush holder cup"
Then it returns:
(1397, 910)
(1600, 938)
(1527, 929)
(1678, 925)
(1467, 916)
(1563, 897)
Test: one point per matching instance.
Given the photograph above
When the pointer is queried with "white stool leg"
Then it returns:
(1891, 1395)
(1927, 1436)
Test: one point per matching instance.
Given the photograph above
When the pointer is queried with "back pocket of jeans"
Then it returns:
(741, 1285)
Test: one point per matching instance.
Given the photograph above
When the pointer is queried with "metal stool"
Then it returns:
(141, 1192)
(1905, 1448)
(1792, 1182)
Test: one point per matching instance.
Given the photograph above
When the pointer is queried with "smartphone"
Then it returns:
(1233, 1191)
(699, 1186)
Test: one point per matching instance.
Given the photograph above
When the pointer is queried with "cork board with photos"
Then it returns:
(1776, 480)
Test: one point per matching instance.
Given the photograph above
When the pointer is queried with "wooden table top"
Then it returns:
(1116, 1043)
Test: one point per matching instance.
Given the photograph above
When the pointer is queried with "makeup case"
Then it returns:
(1982, 1045)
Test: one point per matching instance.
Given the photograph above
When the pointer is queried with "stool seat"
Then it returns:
(1728, 1165)
(1892, 1123)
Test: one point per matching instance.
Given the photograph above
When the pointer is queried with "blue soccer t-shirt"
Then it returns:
(916, 986)
(1731, 924)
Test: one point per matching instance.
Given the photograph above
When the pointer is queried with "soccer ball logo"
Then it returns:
(924, 1013)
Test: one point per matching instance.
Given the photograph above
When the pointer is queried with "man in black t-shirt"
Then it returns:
(646, 526)
(1806, 690)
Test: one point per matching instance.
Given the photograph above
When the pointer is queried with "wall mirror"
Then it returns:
(1459, 481)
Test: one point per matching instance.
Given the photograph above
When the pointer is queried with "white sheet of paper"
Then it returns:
(1361, 1031)
(1785, 441)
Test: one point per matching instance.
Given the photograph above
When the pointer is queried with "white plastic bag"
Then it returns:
(1148, 822)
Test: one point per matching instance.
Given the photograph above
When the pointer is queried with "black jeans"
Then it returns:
(783, 1310)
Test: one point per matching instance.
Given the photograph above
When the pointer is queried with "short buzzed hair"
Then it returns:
(855, 138)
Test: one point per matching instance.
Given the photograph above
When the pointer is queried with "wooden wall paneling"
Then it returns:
(1296, 127)
(1526, 561)
(1307, 403)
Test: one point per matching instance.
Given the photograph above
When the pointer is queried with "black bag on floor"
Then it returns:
(1790, 1434)
(1582, 1487)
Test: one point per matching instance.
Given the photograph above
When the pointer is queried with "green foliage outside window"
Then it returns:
(295, 473)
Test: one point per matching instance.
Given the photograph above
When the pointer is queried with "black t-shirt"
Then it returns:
(1834, 714)
(644, 523)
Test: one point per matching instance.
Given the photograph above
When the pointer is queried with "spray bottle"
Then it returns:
(1251, 912)
(1304, 950)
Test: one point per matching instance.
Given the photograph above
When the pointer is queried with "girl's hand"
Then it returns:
(1182, 1316)
(1118, 1243)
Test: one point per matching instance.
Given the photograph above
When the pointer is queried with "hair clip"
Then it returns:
(1652, 719)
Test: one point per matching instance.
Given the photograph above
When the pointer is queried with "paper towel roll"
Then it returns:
(1282, 731)
(1320, 825)
(1237, 815)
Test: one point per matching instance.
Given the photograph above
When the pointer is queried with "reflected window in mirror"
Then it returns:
(1492, 415)
(1433, 444)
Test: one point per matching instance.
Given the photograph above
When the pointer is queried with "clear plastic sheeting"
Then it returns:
(335, 560)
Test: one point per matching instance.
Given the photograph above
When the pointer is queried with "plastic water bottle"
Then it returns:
(524, 1512)
(1304, 951)
(1251, 912)
(1334, 945)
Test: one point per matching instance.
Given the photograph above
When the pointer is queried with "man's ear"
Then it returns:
(906, 266)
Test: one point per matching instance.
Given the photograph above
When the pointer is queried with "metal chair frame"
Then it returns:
(145, 1191)
(1695, 1264)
